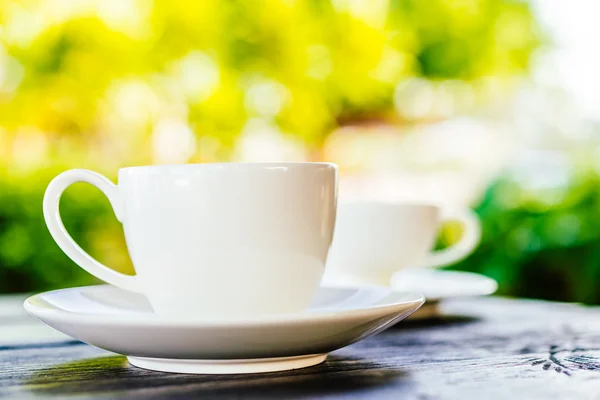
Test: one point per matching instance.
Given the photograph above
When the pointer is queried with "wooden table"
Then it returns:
(488, 348)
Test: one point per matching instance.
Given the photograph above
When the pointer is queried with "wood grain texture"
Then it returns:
(480, 349)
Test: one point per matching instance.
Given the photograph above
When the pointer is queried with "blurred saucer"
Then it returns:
(123, 322)
(437, 285)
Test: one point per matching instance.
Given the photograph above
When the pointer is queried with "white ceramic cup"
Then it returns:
(374, 240)
(224, 240)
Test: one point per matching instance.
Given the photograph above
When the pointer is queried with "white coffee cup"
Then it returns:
(373, 240)
(231, 240)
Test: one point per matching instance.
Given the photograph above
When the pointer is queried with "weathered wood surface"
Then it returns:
(488, 348)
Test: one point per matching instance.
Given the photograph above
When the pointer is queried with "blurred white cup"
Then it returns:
(373, 240)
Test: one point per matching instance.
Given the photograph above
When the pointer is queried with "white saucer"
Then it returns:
(434, 284)
(123, 322)
(437, 285)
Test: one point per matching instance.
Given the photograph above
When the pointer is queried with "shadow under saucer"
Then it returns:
(430, 315)
(431, 309)
(113, 375)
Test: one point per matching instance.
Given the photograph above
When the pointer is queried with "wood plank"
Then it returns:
(484, 348)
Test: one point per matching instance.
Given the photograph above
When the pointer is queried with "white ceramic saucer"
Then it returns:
(123, 322)
(437, 285)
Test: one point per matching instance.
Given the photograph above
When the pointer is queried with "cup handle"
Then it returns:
(65, 241)
(467, 243)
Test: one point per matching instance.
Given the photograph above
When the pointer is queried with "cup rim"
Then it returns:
(257, 165)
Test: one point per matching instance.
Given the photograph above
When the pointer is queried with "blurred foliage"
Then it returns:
(29, 258)
(78, 72)
(104, 84)
(540, 233)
